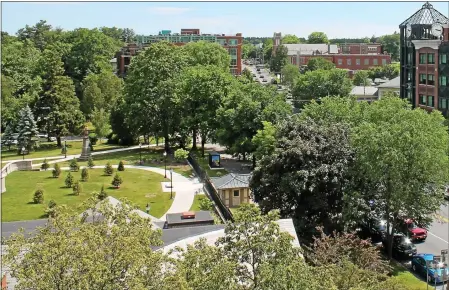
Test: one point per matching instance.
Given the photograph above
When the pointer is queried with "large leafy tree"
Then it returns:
(391, 43)
(207, 53)
(361, 78)
(290, 39)
(317, 37)
(265, 140)
(279, 60)
(100, 119)
(290, 73)
(248, 50)
(150, 91)
(321, 63)
(307, 174)
(41, 34)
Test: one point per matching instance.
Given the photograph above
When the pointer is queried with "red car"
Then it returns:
(415, 233)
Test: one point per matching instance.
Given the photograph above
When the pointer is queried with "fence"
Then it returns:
(11, 167)
(202, 175)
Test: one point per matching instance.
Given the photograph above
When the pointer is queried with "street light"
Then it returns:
(65, 147)
(23, 153)
(171, 183)
(165, 160)
(140, 153)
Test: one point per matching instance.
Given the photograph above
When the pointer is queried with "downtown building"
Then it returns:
(424, 78)
(232, 43)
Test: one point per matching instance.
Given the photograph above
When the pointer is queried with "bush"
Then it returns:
(102, 195)
(108, 170)
(121, 166)
(112, 138)
(181, 155)
(45, 165)
(93, 138)
(38, 197)
(117, 180)
(50, 211)
(90, 162)
(206, 203)
(56, 171)
(77, 188)
(69, 180)
(85, 174)
(74, 165)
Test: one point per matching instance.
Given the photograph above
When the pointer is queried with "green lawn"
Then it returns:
(204, 163)
(196, 202)
(139, 186)
(407, 279)
(48, 149)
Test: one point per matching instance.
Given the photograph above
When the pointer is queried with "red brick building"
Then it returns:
(232, 43)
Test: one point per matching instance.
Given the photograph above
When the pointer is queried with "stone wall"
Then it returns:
(11, 167)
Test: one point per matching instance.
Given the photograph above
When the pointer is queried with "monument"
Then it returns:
(85, 151)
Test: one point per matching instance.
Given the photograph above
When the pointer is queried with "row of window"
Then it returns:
(429, 58)
(365, 62)
(427, 79)
(229, 41)
(443, 104)
(426, 100)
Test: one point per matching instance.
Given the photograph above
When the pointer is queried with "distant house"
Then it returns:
(365, 93)
(392, 85)
(233, 189)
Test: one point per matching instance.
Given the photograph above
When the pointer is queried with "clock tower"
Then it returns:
(424, 51)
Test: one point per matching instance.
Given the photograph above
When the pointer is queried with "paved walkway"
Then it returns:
(185, 188)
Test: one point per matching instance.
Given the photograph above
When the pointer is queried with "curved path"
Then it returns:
(185, 188)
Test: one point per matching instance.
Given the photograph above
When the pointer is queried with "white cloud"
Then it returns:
(169, 10)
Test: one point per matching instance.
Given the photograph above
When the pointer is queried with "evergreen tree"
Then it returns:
(102, 194)
(38, 196)
(117, 181)
(8, 137)
(74, 165)
(57, 171)
(108, 170)
(121, 166)
(77, 188)
(45, 165)
(90, 162)
(69, 180)
(85, 174)
(26, 128)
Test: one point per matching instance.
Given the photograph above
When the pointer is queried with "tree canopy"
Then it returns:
(317, 37)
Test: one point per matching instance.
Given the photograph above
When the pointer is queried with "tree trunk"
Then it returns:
(167, 142)
(254, 162)
(157, 141)
(244, 156)
(203, 142)
(58, 139)
(194, 139)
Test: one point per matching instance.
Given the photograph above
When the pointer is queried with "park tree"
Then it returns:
(267, 49)
(319, 63)
(151, 106)
(402, 162)
(246, 73)
(317, 159)
(391, 44)
(207, 53)
(361, 78)
(317, 37)
(8, 135)
(100, 119)
(27, 129)
(279, 60)
(41, 34)
(290, 39)
(265, 140)
(99, 251)
(248, 50)
(290, 73)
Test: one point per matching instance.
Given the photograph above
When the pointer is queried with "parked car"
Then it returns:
(403, 248)
(258, 69)
(415, 233)
(261, 77)
(419, 266)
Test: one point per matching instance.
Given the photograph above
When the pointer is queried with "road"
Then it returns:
(438, 234)
(264, 73)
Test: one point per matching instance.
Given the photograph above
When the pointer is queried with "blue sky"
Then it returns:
(336, 19)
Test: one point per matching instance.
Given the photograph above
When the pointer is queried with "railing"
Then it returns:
(202, 175)
(11, 167)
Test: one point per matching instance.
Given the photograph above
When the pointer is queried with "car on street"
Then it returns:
(415, 233)
(434, 274)
(261, 76)
(403, 248)
(374, 229)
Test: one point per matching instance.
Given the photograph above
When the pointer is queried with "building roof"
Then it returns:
(231, 180)
(426, 15)
(364, 91)
(306, 49)
(392, 84)
(200, 216)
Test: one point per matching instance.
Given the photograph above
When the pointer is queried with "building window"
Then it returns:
(372, 48)
(443, 103)
(232, 42)
(236, 193)
(409, 76)
(366, 61)
(422, 99)
(431, 58)
(430, 101)
(422, 58)
(375, 62)
(357, 61)
(443, 81)
(409, 57)
(384, 61)
(443, 58)
(348, 61)
(422, 79)
(430, 80)
(233, 62)
(340, 61)
(233, 52)
(409, 95)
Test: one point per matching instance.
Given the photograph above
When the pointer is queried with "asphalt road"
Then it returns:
(264, 73)
(438, 234)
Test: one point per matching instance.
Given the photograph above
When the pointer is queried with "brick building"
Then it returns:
(424, 78)
(232, 43)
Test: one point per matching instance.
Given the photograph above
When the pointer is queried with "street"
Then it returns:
(438, 234)
(263, 72)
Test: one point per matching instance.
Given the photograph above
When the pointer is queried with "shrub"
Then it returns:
(77, 188)
(108, 170)
(45, 165)
(117, 180)
(74, 165)
(69, 180)
(206, 203)
(85, 174)
(93, 138)
(50, 211)
(56, 171)
(102, 195)
(90, 162)
(38, 197)
(181, 155)
(121, 166)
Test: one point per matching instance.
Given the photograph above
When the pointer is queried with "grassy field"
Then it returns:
(406, 278)
(196, 202)
(49, 149)
(204, 163)
(139, 186)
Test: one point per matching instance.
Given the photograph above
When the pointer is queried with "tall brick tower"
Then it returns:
(277, 38)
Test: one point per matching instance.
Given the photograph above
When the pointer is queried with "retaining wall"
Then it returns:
(11, 167)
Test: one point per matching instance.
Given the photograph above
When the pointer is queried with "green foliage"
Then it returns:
(85, 174)
(181, 155)
(8, 135)
(69, 180)
(290, 39)
(265, 140)
(77, 188)
(206, 204)
(108, 170)
(290, 73)
(74, 165)
(100, 119)
(388, 71)
(93, 138)
(56, 171)
(27, 129)
(248, 51)
(45, 165)
(391, 44)
(280, 59)
(361, 78)
(90, 162)
(50, 211)
(317, 37)
(207, 53)
(320, 63)
(38, 197)
(247, 74)
(103, 194)
(64, 149)
(121, 166)
(117, 180)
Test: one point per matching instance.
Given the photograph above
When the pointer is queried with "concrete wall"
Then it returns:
(11, 167)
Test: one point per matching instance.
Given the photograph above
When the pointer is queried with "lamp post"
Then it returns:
(65, 147)
(140, 152)
(171, 183)
(23, 153)
(165, 160)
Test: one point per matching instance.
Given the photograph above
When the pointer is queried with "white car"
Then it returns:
(53, 139)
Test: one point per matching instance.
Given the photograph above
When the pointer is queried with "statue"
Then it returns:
(85, 150)
(86, 132)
